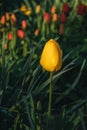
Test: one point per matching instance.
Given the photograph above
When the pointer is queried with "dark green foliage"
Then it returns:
(24, 85)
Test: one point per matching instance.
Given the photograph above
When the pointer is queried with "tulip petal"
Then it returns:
(51, 58)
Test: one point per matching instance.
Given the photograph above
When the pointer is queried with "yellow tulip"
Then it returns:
(51, 58)
(28, 12)
(23, 8)
(38, 9)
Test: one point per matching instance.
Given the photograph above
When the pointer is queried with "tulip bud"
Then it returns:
(61, 29)
(24, 24)
(23, 8)
(38, 9)
(51, 57)
(3, 20)
(81, 9)
(36, 33)
(55, 17)
(13, 18)
(7, 16)
(53, 9)
(10, 36)
(65, 8)
(20, 33)
(63, 18)
(5, 46)
(28, 12)
(47, 17)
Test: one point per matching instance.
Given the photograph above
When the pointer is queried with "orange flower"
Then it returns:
(38, 9)
(3, 20)
(24, 24)
(36, 32)
(53, 9)
(7, 16)
(13, 18)
(20, 33)
(55, 17)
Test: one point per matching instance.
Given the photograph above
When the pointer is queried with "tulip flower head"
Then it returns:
(47, 17)
(65, 8)
(24, 24)
(13, 18)
(3, 20)
(53, 9)
(55, 17)
(81, 9)
(28, 12)
(36, 33)
(51, 58)
(23, 8)
(38, 9)
(7, 16)
(63, 18)
(5, 46)
(20, 33)
(10, 36)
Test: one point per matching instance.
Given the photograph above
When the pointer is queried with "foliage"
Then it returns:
(24, 85)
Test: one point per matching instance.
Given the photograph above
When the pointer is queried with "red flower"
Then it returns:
(20, 33)
(24, 24)
(10, 36)
(47, 17)
(81, 9)
(65, 8)
(63, 18)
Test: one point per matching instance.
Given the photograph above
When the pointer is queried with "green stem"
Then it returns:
(50, 101)
(50, 96)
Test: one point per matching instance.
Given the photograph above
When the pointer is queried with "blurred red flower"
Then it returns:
(20, 33)
(47, 17)
(65, 8)
(63, 18)
(10, 36)
(81, 9)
